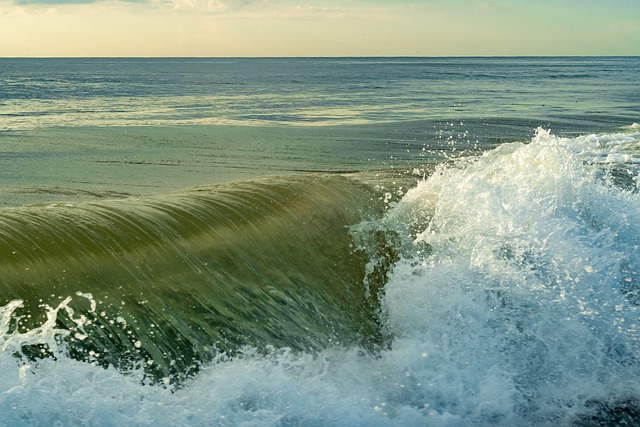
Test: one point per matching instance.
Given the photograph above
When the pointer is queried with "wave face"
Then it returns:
(502, 289)
(168, 282)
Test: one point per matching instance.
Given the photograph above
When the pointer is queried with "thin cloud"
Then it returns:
(67, 2)
(486, 5)
(299, 11)
(52, 2)
(347, 10)
(218, 6)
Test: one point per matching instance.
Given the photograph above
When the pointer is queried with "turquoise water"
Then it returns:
(370, 241)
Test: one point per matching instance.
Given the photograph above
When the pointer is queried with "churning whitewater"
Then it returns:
(500, 289)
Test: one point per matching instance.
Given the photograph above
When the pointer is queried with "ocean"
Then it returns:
(320, 241)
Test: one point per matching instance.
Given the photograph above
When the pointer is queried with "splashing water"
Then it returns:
(527, 298)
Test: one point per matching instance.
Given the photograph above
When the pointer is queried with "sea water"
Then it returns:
(447, 241)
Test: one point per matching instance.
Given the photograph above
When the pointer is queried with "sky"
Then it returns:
(213, 28)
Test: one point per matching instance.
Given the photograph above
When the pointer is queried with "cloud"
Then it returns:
(67, 2)
(218, 6)
(52, 2)
(485, 6)
(191, 6)
(302, 12)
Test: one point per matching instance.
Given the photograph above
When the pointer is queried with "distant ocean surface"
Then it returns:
(320, 241)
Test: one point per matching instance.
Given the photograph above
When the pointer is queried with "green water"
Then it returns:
(169, 281)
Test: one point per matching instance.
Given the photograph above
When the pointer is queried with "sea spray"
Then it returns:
(526, 299)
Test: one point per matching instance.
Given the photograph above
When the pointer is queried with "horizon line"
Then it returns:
(318, 56)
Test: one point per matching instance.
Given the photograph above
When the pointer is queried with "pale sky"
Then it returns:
(318, 28)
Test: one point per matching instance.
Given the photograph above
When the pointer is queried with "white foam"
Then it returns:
(525, 288)
(620, 147)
